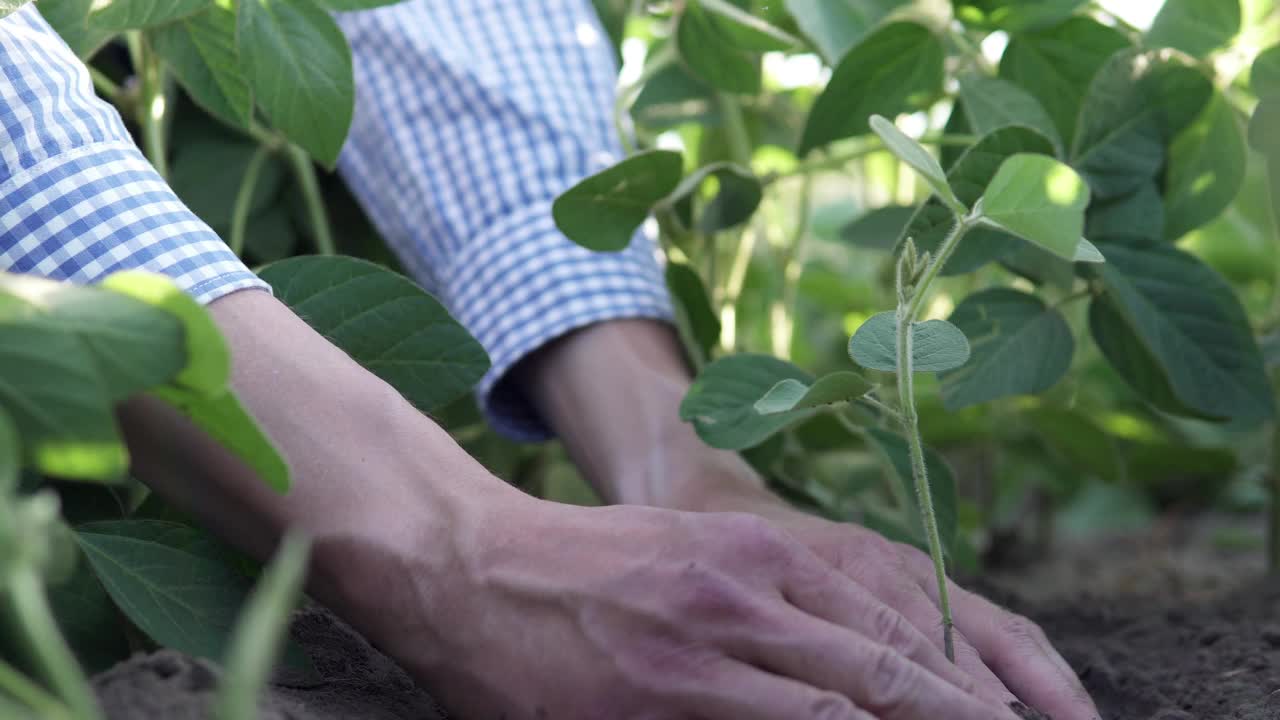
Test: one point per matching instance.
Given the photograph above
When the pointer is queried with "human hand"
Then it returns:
(559, 612)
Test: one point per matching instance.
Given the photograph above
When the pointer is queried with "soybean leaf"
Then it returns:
(1077, 441)
(693, 306)
(10, 454)
(746, 30)
(896, 68)
(385, 322)
(603, 211)
(120, 15)
(1206, 169)
(1040, 200)
(836, 26)
(942, 483)
(721, 402)
(299, 66)
(260, 632)
(1136, 218)
(878, 228)
(1176, 332)
(224, 419)
(1196, 27)
(207, 172)
(913, 154)
(1265, 75)
(790, 394)
(712, 55)
(1264, 129)
(990, 103)
(937, 345)
(1020, 347)
(1136, 106)
(201, 51)
(969, 178)
(1015, 15)
(70, 18)
(1057, 64)
(739, 194)
(88, 619)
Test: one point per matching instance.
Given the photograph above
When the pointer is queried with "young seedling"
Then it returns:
(1033, 197)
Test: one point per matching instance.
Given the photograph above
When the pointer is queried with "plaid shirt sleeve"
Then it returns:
(78, 201)
(471, 117)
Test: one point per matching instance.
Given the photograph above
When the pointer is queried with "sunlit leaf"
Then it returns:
(913, 154)
(1040, 200)
(1015, 15)
(836, 26)
(1196, 27)
(1206, 169)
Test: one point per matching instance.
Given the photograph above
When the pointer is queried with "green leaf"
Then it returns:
(9, 7)
(10, 454)
(385, 322)
(200, 49)
(352, 5)
(299, 66)
(1076, 441)
(913, 154)
(207, 172)
(1057, 64)
(969, 178)
(746, 30)
(712, 55)
(895, 69)
(120, 15)
(260, 632)
(1264, 129)
(738, 194)
(1176, 332)
(942, 483)
(693, 306)
(1206, 169)
(70, 18)
(604, 211)
(1135, 218)
(1264, 78)
(990, 103)
(1015, 15)
(790, 394)
(1196, 27)
(1040, 200)
(1020, 347)
(178, 588)
(225, 420)
(836, 26)
(89, 620)
(879, 228)
(1136, 106)
(721, 402)
(937, 345)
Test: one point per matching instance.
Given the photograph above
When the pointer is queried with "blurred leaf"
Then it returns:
(122, 15)
(1058, 63)
(1015, 15)
(225, 420)
(879, 228)
(70, 18)
(1136, 217)
(721, 402)
(736, 200)
(207, 172)
(1265, 75)
(1196, 27)
(201, 51)
(942, 483)
(1020, 347)
(603, 211)
(969, 178)
(1040, 200)
(789, 394)
(89, 620)
(746, 30)
(693, 306)
(299, 66)
(937, 345)
(1206, 169)
(1080, 444)
(1136, 106)
(1176, 332)
(385, 322)
(990, 103)
(1104, 507)
(912, 153)
(712, 55)
(836, 26)
(353, 5)
(1264, 129)
(895, 69)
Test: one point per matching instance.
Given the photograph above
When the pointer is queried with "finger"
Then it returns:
(1018, 651)
(874, 676)
(733, 690)
(839, 600)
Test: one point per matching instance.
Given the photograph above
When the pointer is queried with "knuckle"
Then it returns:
(704, 594)
(755, 539)
(893, 629)
(831, 706)
(1023, 631)
(893, 681)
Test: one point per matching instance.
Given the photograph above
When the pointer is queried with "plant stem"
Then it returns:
(104, 85)
(793, 262)
(835, 162)
(244, 198)
(30, 694)
(305, 172)
(907, 314)
(48, 649)
(151, 101)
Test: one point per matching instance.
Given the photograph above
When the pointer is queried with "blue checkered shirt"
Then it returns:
(470, 118)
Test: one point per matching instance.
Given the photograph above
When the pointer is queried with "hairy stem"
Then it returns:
(907, 313)
(244, 198)
(305, 172)
(34, 620)
(836, 162)
(152, 104)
